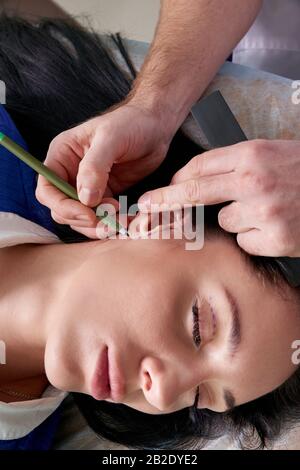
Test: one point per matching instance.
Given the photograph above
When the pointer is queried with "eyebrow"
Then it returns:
(234, 342)
(235, 331)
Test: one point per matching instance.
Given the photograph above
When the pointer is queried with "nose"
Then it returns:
(159, 383)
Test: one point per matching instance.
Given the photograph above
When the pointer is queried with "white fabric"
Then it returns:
(15, 230)
(273, 42)
(17, 419)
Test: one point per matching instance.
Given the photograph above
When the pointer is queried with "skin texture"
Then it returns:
(63, 303)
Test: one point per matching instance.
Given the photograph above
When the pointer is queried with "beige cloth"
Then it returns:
(262, 104)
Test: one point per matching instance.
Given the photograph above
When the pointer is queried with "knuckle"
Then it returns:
(105, 127)
(56, 217)
(39, 194)
(263, 144)
(269, 212)
(257, 181)
(57, 141)
(258, 148)
(255, 153)
(197, 165)
(192, 191)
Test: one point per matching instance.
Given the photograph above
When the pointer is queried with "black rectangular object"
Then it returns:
(219, 128)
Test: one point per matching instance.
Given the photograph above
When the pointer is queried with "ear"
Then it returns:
(175, 224)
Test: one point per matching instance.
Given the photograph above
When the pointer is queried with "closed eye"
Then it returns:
(197, 340)
(196, 331)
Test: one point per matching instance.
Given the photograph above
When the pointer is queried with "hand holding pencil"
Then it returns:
(53, 178)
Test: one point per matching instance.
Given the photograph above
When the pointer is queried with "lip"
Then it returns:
(117, 383)
(100, 387)
(107, 381)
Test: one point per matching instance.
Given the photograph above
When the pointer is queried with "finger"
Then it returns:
(100, 232)
(214, 162)
(207, 190)
(272, 240)
(57, 218)
(76, 222)
(66, 208)
(50, 196)
(94, 169)
(235, 218)
(109, 205)
(88, 232)
(64, 156)
(255, 243)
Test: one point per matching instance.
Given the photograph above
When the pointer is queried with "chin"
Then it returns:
(59, 373)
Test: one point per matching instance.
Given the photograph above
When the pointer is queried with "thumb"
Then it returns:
(93, 174)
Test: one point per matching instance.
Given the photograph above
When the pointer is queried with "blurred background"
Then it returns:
(135, 19)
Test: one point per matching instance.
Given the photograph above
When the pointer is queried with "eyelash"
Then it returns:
(197, 340)
(196, 332)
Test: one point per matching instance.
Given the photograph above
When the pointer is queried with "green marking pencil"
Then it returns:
(52, 177)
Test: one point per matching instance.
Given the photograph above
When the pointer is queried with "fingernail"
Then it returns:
(144, 202)
(87, 196)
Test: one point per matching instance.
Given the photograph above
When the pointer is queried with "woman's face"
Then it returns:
(141, 299)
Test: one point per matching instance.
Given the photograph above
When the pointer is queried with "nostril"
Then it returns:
(147, 381)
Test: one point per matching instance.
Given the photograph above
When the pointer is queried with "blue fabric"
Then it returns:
(41, 438)
(17, 195)
(18, 181)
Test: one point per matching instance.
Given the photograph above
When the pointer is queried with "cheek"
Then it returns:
(138, 402)
(58, 371)
(264, 365)
(71, 349)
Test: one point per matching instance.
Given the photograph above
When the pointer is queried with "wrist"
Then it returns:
(163, 106)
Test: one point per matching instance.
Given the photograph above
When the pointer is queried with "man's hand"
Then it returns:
(261, 178)
(102, 157)
(109, 153)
